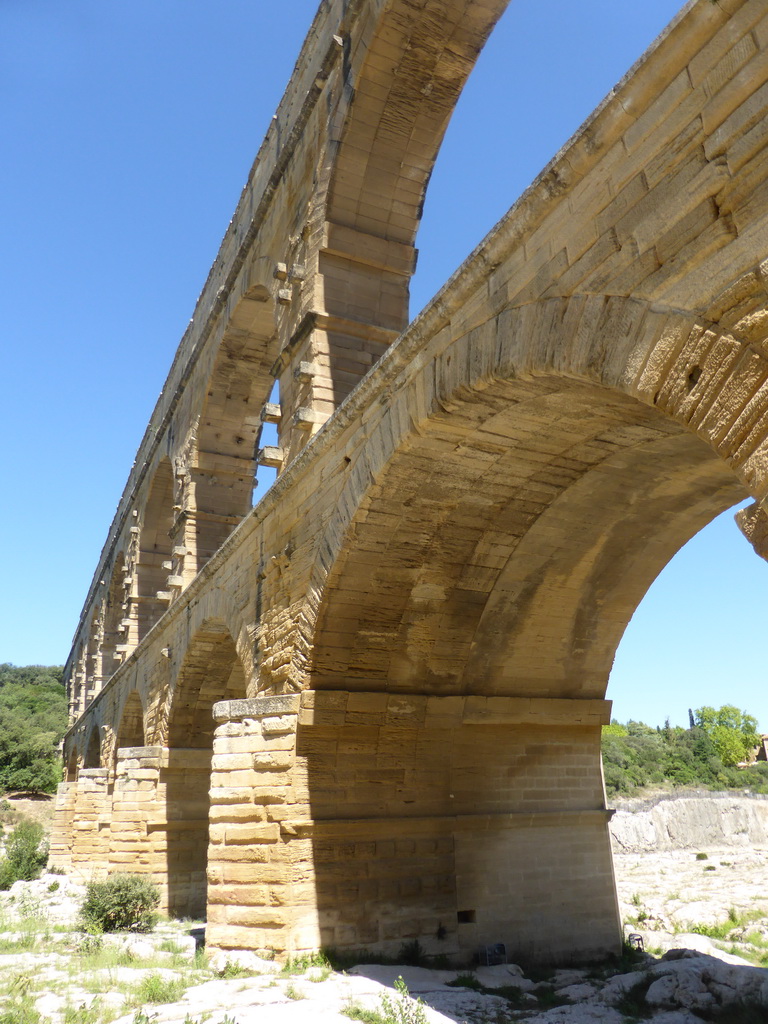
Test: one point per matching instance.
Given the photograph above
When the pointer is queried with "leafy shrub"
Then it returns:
(25, 854)
(121, 903)
(33, 718)
(402, 1009)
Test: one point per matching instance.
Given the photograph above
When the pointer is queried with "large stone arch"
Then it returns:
(397, 74)
(211, 671)
(506, 513)
(570, 383)
(407, 74)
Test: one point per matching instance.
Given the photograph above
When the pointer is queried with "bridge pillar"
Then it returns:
(354, 304)
(458, 822)
(376, 820)
(260, 888)
(138, 816)
(80, 832)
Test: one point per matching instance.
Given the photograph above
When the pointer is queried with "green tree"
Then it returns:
(733, 732)
(33, 719)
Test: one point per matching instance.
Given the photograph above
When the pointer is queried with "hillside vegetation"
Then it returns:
(33, 719)
(708, 755)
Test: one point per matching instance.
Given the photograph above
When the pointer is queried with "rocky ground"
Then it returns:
(49, 971)
(701, 912)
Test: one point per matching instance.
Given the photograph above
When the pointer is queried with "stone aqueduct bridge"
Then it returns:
(369, 709)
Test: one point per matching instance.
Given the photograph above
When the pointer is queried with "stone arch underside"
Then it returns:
(510, 564)
(211, 671)
(507, 513)
(408, 73)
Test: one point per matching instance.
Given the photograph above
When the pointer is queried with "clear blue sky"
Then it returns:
(128, 132)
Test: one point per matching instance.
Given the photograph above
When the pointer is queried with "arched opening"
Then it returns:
(131, 730)
(93, 750)
(473, 612)
(76, 685)
(222, 471)
(211, 672)
(700, 598)
(114, 612)
(153, 564)
(93, 657)
(546, 100)
(72, 766)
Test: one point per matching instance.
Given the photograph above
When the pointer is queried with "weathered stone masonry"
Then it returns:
(368, 710)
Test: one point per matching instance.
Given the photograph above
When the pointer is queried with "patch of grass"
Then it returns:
(81, 1014)
(21, 1012)
(21, 1008)
(320, 975)
(713, 931)
(632, 1004)
(512, 993)
(702, 856)
(548, 997)
(23, 943)
(169, 946)
(234, 970)
(294, 993)
(357, 1012)
(300, 964)
(157, 989)
(342, 959)
(710, 867)
(466, 981)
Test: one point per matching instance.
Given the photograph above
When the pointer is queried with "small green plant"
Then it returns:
(54, 887)
(232, 970)
(402, 1009)
(412, 954)
(121, 903)
(702, 856)
(294, 993)
(81, 1014)
(25, 854)
(710, 867)
(142, 1017)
